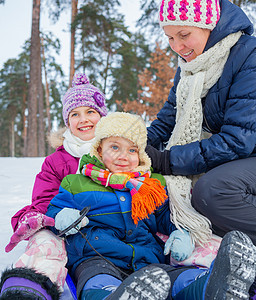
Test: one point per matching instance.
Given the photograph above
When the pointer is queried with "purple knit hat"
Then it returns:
(198, 13)
(82, 93)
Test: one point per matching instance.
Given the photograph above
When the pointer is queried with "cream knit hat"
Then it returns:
(198, 13)
(131, 127)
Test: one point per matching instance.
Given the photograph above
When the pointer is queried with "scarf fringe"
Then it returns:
(182, 213)
(150, 196)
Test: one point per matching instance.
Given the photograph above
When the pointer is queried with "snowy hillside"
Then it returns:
(17, 177)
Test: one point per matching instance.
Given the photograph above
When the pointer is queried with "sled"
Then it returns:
(71, 286)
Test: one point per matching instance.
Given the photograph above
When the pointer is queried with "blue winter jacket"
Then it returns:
(111, 230)
(229, 108)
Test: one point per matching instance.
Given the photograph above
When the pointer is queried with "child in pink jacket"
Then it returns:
(42, 266)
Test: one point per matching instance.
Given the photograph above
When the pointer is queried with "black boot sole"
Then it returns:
(234, 268)
(149, 283)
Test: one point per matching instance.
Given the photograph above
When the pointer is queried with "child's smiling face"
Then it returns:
(82, 121)
(119, 154)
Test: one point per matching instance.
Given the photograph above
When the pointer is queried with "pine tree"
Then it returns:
(13, 103)
(133, 57)
(156, 82)
(100, 33)
(53, 80)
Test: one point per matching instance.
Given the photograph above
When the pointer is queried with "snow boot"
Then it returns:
(229, 277)
(252, 291)
(149, 283)
(27, 284)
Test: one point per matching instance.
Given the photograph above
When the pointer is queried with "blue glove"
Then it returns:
(179, 244)
(66, 217)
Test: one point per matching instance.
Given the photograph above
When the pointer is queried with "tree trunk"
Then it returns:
(41, 123)
(24, 116)
(72, 42)
(12, 115)
(105, 74)
(12, 140)
(47, 99)
(32, 142)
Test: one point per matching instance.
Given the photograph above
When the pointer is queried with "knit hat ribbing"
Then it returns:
(131, 127)
(82, 93)
(198, 13)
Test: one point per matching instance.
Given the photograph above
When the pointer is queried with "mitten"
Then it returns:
(66, 217)
(29, 224)
(160, 160)
(179, 244)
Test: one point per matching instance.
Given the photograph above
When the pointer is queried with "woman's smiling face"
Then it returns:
(187, 41)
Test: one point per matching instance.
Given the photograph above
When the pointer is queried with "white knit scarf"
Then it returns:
(75, 146)
(196, 78)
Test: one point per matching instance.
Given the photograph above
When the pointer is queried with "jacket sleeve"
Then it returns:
(163, 221)
(64, 198)
(46, 186)
(160, 129)
(236, 138)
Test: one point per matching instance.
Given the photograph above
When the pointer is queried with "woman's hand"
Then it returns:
(179, 244)
(28, 225)
(160, 160)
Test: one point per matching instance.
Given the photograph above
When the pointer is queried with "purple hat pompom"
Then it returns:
(82, 93)
(80, 79)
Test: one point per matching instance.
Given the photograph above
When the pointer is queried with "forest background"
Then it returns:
(134, 68)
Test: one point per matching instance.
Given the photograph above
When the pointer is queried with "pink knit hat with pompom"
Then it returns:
(82, 93)
(197, 13)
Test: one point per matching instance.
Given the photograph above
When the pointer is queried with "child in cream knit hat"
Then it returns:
(128, 206)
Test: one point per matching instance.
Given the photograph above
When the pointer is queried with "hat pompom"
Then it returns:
(80, 79)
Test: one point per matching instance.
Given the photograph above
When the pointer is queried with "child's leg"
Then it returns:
(100, 280)
(99, 287)
(86, 274)
(46, 254)
(149, 283)
(22, 283)
(229, 277)
(41, 269)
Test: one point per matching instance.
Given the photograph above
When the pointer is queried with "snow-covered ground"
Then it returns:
(17, 177)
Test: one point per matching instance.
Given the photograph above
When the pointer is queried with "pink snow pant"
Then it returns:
(46, 254)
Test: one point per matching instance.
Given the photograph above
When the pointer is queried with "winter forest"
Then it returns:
(134, 69)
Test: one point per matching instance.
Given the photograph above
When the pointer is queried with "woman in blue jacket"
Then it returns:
(214, 91)
(127, 208)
